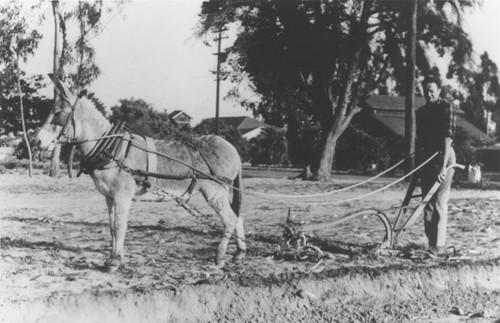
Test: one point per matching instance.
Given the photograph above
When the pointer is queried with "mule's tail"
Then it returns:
(237, 194)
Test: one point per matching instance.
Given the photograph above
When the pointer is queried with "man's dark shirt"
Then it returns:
(435, 121)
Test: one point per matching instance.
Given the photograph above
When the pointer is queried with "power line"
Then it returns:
(218, 77)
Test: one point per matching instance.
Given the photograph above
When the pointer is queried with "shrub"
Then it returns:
(269, 147)
(462, 144)
(357, 150)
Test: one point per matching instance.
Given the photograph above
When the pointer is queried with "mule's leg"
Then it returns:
(219, 201)
(111, 210)
(122, 207)
(240, 239)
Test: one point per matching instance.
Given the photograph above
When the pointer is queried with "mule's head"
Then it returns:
(58, 122)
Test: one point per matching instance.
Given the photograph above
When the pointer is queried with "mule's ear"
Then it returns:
(63, 90)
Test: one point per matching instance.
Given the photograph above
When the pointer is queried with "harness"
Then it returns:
(146, 177)
(114, 146)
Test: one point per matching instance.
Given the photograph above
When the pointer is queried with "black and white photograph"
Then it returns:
(249, 161)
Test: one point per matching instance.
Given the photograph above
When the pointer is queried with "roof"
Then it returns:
(177, 113)
(243, 124)
(391, 103)
(389, 111)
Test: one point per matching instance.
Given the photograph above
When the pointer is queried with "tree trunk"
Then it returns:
(345, 107)
(344, 112)
(55, 169)
(327, 156)
(30, 169)
(410, 90)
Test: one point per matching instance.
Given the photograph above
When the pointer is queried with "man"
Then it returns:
(435, 131)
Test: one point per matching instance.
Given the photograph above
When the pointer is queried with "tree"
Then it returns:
(141, 117)
(334, 53)
(36, 107)
(269, 148)
(17, 41)
(480, 91)
(231, 134)
(75, 61)
(369, 150)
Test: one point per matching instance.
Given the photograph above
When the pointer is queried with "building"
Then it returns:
(180, 118)
(385, 115)
(248, 127)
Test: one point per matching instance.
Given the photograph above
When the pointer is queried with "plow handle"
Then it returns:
(424, 201)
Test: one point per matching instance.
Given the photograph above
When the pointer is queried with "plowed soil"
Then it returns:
(55, 239)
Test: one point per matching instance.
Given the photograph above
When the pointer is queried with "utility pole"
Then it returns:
(410, 123)
(217, 94)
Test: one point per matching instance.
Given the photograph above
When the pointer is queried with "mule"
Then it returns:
(76, 119)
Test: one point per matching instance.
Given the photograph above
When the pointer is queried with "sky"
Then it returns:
(149, 52)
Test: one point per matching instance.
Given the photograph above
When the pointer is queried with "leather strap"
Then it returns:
(152, 163)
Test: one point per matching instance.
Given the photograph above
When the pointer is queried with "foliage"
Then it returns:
(332, 53)
(464, 150)
(36, 107)
(481, 92)
(76, 61)
(207, 127)
(18, 41)
(304, 139)
(358, 151)
(21, 151)
(140, 116)
(269, 147)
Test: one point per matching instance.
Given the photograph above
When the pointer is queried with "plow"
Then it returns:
(124, 164)
(402, 221)
(406, 214)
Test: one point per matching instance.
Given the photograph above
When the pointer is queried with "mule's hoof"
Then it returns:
(112, 265)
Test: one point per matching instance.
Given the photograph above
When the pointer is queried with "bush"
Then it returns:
(141, 117)
(270, 148)
(356, 150)
(462, 144)
(21, 151)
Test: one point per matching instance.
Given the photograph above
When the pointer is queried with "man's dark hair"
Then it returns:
(432, 79)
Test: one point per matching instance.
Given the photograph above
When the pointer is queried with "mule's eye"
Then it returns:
(60, 118)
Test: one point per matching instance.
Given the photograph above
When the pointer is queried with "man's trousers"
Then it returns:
(436, 211)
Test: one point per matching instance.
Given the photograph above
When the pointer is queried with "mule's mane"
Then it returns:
(93, 109)
(97, 103)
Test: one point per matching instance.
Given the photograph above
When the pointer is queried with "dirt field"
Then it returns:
(55, 238)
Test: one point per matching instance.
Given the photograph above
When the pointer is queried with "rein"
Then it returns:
(71, 117)
(78, 142)
(107, 148)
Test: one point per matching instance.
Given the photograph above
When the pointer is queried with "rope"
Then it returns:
(360, 196)
(336, 191)
(266, 197)
(270, 197)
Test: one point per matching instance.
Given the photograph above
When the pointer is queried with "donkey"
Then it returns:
(76, 119)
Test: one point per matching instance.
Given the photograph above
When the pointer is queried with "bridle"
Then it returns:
(70, 116)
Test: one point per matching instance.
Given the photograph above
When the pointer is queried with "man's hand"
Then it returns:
(442, 175)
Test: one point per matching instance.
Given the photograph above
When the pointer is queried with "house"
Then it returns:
(248, 127)
(180, 118)
(385, 115)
